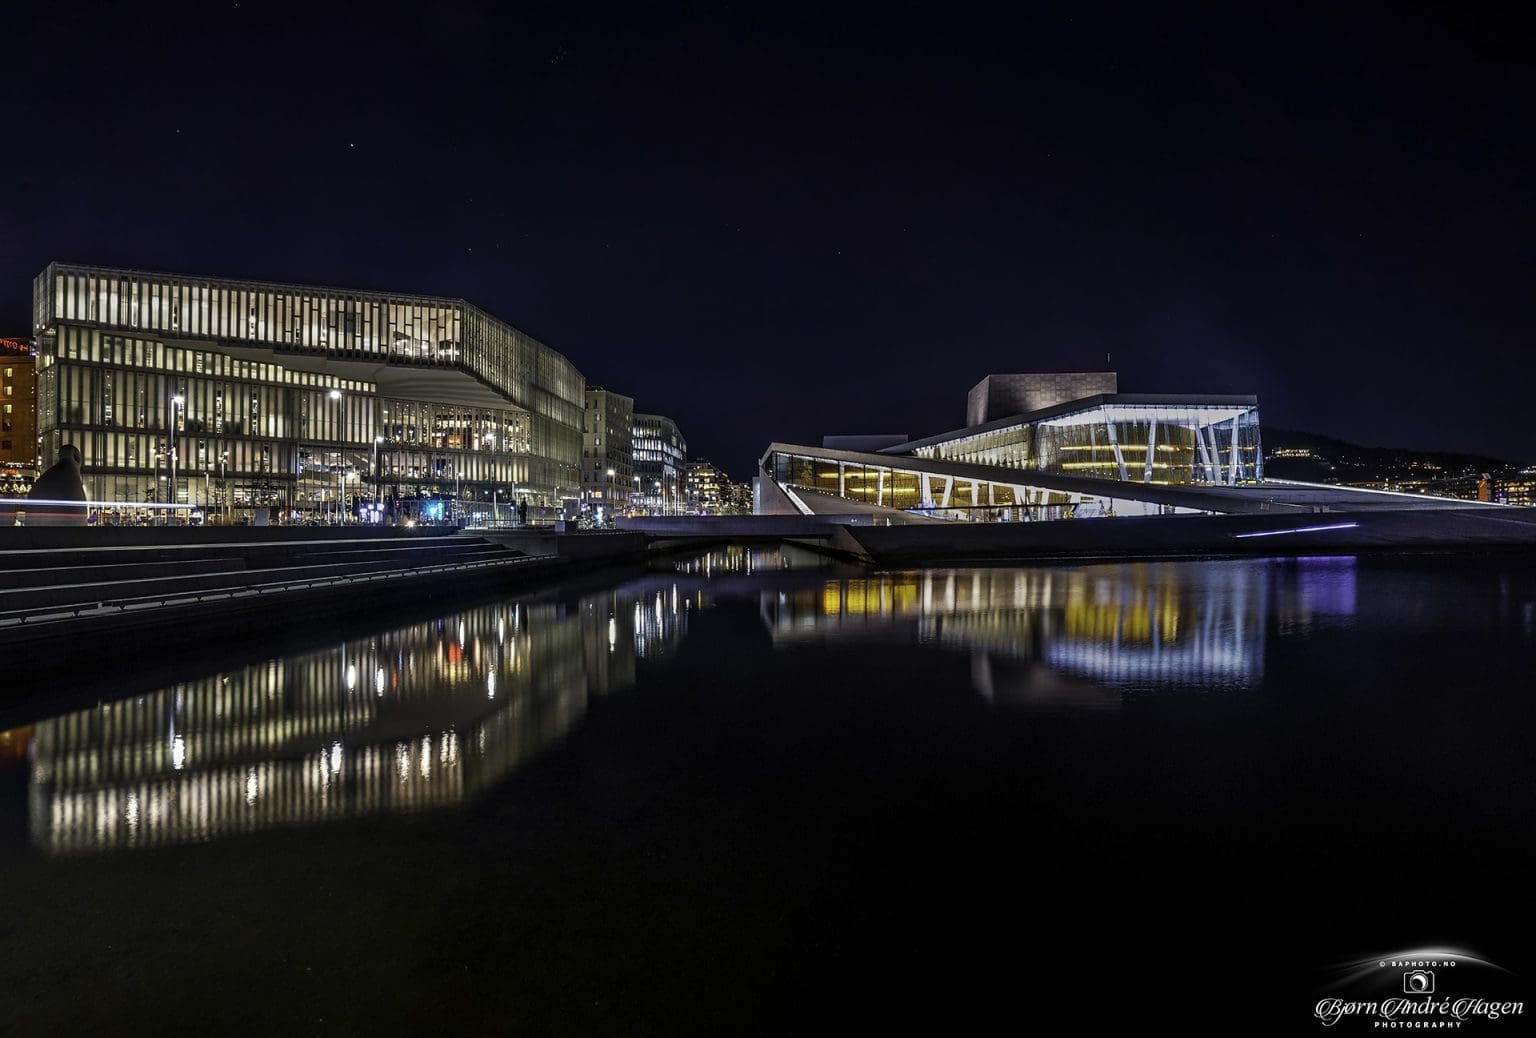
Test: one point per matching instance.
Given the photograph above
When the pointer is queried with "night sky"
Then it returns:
(778, 222)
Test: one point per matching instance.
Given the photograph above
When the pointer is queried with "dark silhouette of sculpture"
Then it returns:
(60, 483)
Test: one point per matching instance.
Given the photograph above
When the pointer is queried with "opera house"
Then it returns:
(1041, 447)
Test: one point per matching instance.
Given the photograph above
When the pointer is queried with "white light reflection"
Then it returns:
(266, 759)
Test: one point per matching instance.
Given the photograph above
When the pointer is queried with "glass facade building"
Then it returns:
(661, 458)
(293, 396)
(1177, 440)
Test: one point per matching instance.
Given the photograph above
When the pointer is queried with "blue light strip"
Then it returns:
(1300, 529)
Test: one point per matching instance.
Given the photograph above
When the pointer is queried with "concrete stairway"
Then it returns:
(58, 587)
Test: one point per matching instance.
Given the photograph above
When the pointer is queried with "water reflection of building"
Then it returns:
(1167, 625)
(414, 718)
(745, 561)
(1313, 592)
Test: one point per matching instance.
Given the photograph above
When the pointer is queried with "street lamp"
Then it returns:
(335, 394)
(176, 402)
(376, 441)
(224, 483)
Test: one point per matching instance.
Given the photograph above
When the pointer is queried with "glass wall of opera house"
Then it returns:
(224, 392)
(1144, 439)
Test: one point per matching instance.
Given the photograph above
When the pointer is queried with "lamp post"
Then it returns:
(224, 483)
(176, 402)
(376, 441)
(335, 395)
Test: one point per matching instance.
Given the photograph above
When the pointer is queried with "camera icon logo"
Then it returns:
(1419, 982)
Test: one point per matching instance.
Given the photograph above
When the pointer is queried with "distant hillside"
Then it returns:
(1292, 454)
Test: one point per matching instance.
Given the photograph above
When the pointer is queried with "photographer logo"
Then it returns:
(1441, 989)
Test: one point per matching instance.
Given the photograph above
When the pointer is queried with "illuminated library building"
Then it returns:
(240, 394)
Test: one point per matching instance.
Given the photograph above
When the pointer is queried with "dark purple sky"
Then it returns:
(775, 222)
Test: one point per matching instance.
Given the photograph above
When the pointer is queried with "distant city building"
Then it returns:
(1518, 489)
(661, 456)
(18, 417)
(708, 489)
(607, 454)
(741, 497)
(210, 390)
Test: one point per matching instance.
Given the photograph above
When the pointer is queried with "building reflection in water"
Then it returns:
(1314, 592)
(418, 717)
(1077, 637)
(432, 714)
(762, 560)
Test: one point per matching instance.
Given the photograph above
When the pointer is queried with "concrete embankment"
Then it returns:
(101, 591)
(1473, 529)
(1294, 532)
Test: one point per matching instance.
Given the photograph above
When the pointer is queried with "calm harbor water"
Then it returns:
(756, 791)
